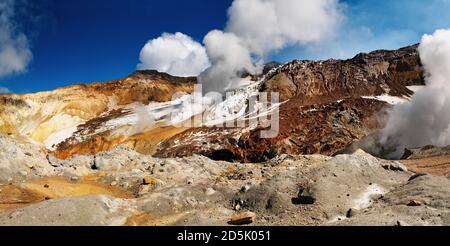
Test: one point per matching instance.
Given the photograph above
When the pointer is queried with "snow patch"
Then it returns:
(58, 137)
(416, 88)
(389, 99)
(187, 106)
(396, 100)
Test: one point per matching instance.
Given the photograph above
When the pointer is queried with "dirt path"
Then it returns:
(439, 165)
(14, 196)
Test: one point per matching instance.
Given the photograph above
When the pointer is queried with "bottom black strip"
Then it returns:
(213, 235)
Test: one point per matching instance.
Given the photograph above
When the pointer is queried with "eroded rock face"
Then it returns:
(50, 117)
(316, 129)
(145, 86)
(20, 159)
(373, 74)
(324, 111)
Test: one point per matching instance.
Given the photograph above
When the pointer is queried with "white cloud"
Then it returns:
(258, 27)
(267, 25)
(255, 28)
(176, 54)
(4, 90)
(15, 53)
(425, 120)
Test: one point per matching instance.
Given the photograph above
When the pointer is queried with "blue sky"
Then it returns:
(99, 40)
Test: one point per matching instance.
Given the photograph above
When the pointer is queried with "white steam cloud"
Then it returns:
(426, 119)
(229, 56)
(176, 54)
(15, 53)
(257, 27)
(267, 25)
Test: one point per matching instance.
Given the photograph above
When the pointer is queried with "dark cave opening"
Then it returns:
(223, 155)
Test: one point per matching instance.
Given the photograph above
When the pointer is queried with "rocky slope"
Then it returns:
(377, 73)
(328, 105)
(321, 128)
(51, 117)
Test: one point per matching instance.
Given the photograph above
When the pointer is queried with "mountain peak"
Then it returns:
(155, 74)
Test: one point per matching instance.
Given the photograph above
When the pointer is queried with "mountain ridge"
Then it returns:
(328, 105)
(77, 119)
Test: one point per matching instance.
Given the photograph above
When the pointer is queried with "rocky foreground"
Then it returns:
(123, 187)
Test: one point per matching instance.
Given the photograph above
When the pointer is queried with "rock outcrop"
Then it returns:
(373, 74)
(426, 152)
(20, 159)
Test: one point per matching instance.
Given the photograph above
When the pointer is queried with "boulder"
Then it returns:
(93, 210)
(242, 218)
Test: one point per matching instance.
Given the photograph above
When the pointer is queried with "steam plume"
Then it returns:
(426, 119)
(229, 56)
